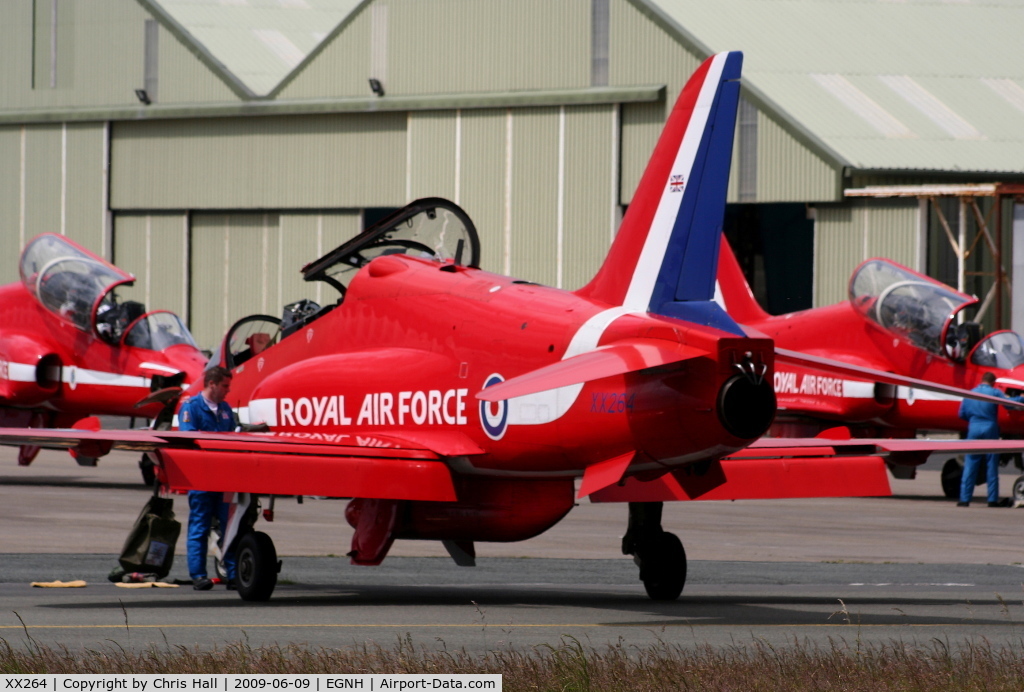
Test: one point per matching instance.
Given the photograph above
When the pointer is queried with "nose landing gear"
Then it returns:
(257, 567)
(658, 553)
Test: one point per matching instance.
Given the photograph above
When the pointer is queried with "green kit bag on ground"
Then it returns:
(150, 544)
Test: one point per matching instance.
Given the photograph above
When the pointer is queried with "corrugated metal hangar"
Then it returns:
(213, 147)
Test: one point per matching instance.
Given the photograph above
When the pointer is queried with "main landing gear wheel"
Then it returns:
(952, 472)
(1018, 489)
(658, 553)
(663, 568)
(257, 567)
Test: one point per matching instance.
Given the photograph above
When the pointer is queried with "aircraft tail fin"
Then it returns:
(733, 290)
(664, 257)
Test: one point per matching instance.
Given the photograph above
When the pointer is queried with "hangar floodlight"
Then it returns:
(142, 96)
(376, 87)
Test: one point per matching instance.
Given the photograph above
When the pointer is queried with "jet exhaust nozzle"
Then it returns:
(746, 406)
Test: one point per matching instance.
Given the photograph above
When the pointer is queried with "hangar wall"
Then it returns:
(52, 179)
(270, 162)
(545, 185)
(445, 46)
(538, 182)
(96, 58)
(179, 261)
(154, 248)
(846, 235)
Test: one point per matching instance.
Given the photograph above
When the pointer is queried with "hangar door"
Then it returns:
(154, 248)
(244, 264)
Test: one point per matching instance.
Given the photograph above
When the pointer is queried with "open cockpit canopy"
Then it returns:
(78, 287)
(913, 307)
(68, 280)
(431, 228)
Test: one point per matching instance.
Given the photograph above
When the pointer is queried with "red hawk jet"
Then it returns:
(69, 349)
(457, 405)
(895, 320)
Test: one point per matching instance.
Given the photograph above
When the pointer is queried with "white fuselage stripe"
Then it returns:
(24, 372)
(79, 376)
(21, 372)
(157, 366)
(550, 405)
(855, 389)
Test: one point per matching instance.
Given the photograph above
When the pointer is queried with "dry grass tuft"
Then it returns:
(571, 666)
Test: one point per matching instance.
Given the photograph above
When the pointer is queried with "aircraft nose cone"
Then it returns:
(746, 406)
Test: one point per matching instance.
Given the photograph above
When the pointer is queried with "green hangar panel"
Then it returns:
(276, 162)
(54, 180)
(154, 248)
(846, 235)
(183, 137)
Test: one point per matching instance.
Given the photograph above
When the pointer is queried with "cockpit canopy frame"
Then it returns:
(432, 228)
(68, 280)
(913, 307)
(77, 286)
(158, 330)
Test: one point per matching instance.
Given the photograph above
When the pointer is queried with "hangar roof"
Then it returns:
(878, 84)
(886, 85)
(255, 43)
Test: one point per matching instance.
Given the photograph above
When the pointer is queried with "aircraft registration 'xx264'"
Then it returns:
(458, 405)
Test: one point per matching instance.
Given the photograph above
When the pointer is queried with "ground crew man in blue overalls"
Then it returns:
(207, 411)
(982, 424)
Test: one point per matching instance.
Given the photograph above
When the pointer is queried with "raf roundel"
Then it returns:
(494, 414)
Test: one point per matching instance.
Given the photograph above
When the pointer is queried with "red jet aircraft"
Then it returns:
(896, 320)
(69, 349)
(458, 405)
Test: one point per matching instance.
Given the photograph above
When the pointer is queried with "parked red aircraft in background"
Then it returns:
(458, 405)
(896, 320)
(69, 349)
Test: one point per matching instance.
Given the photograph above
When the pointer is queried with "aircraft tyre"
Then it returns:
(257, 567)
(952, 472)
(1018, 489)
(663, 567)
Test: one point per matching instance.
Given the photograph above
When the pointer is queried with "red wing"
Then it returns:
(791, 468)
(834, 366)
(736, 478)
(619, 358)
(341, 465)
(898, 451)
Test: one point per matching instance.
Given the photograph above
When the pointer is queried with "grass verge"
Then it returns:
(935, 666)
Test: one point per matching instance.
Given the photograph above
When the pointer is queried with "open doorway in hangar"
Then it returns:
(774, 244)
(371, 215)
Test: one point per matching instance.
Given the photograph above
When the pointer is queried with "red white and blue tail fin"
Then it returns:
(665, 256)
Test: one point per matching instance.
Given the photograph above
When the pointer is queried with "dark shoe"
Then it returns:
(230, 585)
(202, 584)
(1005, 502)
(963, 504)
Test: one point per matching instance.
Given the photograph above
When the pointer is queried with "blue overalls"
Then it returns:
(195, 414)
(982, 424)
